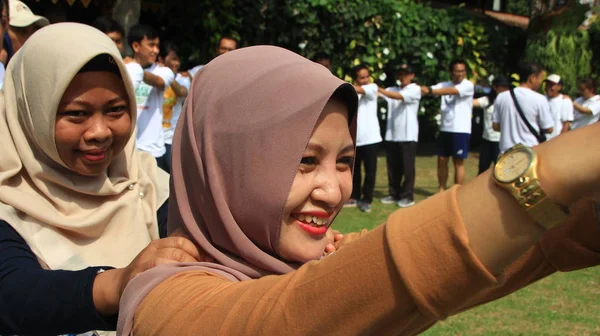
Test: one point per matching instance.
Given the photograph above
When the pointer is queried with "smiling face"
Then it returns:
(321, 186)
(552, 89)
(459, 73)
(93, 122)
(146, 51)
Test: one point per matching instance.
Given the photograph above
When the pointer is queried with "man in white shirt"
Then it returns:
(401, 137)
(587, 106)
(490, 143)
(368, 138)
(226, 44)
(149, 93)
(174, 96)
(455, 129)
(507, 120)
(561, 106)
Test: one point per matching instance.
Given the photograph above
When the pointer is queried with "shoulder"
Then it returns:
(467, 83)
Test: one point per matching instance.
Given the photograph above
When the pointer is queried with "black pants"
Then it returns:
(163, 163)
(368, 155)
(401, 164)
(488, 153)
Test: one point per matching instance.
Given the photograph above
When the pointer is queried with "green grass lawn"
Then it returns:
(562, 304)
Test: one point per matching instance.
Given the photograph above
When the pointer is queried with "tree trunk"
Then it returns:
(127, 12)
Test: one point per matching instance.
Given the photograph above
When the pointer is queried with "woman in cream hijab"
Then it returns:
(266, 140)
(76, 198)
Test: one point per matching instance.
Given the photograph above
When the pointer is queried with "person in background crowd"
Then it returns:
(507, 119)
(174, 96)
(323, 59)
(401, 137)
(80, 207)
(22, 24)
(111, 28)
(455, 129)
(587, 106)
(490, 142)
(561, 106)
(226, 44)
(150, 91)
(368, 138)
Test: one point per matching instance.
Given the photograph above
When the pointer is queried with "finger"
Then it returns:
(162, 261)
(177, 255)
(339, 236)
(180, 243)
(329, 248)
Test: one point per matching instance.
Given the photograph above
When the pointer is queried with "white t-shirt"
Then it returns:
(368, 132)
(488, 111)
(150, 135)
(186, 83)
(561, 109)
(195, 69)
(513, 129)
(402, 122)
(581, 119)
(136, 73)
(457, 110)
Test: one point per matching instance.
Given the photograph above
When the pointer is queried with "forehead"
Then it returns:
(227, 42)
(363, 72)
(155, 40)
(458, 66)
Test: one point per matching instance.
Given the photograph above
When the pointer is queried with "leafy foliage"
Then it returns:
(380, 33)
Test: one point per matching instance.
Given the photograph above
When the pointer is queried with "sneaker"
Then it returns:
(364, 207)
(351, 203)
(388, 200)
(405, 203)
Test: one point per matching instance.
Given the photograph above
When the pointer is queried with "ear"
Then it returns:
(136, 47)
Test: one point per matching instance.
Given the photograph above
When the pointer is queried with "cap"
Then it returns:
(22, 16)
(406, 69)
(501, 81)
(554, 78)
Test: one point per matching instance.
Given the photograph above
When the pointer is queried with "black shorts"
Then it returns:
(453, 144)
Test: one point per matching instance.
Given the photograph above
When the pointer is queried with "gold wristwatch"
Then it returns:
(516, 171)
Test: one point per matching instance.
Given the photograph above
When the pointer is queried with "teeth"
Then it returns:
(313, 220)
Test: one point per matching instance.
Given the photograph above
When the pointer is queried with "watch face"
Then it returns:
(512, 165)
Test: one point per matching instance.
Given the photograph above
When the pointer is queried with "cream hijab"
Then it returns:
(236, 151)
(68, 220)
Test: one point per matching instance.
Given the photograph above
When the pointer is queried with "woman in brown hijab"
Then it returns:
(261, 167)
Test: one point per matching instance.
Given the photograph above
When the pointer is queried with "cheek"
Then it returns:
(346, 185)
(121, 129)
(67, 137)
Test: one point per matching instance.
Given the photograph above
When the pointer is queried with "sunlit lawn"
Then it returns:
(563, 304)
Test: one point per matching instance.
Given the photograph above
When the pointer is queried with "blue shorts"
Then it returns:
(453, 144)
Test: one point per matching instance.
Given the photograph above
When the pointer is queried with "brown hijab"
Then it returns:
(236, 151)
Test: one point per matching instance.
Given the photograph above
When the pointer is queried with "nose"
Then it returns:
(328, 187)
(98, 130)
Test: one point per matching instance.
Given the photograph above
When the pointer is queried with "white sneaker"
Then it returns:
(405, 203)
(388, 200)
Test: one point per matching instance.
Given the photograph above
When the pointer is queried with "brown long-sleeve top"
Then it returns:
(399, 279)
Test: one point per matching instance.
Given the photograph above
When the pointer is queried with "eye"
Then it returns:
(117, 111)
(346, 161)
(310, 160)
(75, 116)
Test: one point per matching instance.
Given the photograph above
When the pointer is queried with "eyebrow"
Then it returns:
(85, 103)
(318, 148)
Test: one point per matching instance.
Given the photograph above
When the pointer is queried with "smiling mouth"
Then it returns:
(312, 220)
(93, 156)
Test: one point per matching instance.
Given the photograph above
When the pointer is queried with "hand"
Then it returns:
(333, 237)
(576, 148)
(109, 286)
(203, 257)
(425, 90)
